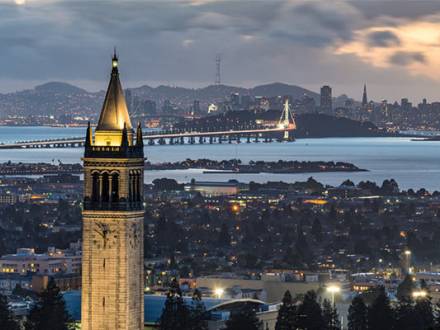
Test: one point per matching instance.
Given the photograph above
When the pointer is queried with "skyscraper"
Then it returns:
(326, 100)
(112, 278)
(364, 97)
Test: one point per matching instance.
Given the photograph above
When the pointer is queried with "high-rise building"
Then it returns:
(364, 97)
(326, 100)
(112, 266)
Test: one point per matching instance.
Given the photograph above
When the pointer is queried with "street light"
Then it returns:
(419, 294)
(218, 292)
(333, 289)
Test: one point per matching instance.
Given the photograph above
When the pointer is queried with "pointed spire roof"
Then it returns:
(139, 138)
(88, 142)
(364, 96)
(114, 111)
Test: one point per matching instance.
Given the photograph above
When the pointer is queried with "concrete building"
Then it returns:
(326, 100)
(274, 288)
(50, 263)
(213, 189)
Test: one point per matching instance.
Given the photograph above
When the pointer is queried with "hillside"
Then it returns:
(56, 98)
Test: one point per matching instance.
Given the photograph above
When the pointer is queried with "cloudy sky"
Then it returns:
(392, 45)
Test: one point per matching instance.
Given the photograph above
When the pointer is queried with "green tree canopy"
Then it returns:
(405, 288)
(286, 314)
(175, 314)
(380, 313)
(7, 320)
(50, 311)
(357, 314)
(330, 316)
(310, 313)
(197, 313)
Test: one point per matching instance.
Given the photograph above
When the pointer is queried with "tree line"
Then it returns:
(380, 314)
(49, 312)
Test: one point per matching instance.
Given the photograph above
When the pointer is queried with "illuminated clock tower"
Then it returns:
(112, 266)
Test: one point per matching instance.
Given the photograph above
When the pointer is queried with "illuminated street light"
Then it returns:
(333, 289)
(419, 294)
(218, 292)
(407, 252)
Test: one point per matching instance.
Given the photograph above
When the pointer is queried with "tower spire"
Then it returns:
(364, 96)
(88, 141)
(139, 138)
(114, 111)
(124, 143)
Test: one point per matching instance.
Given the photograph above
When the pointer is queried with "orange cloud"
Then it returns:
(414, 46)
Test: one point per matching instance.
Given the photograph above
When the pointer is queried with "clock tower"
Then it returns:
(112, 266)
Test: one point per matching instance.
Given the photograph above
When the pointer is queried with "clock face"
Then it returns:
(134, 235)
(104, 236)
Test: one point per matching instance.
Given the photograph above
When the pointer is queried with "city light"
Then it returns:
(419, 294)
(218, 292)
(333, 289)
(407, 252)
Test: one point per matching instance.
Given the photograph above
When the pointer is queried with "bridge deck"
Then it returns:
(68, 142)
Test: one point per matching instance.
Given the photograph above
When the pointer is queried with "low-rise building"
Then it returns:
(52, 262)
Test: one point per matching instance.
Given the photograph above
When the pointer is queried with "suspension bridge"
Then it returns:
(285, 127)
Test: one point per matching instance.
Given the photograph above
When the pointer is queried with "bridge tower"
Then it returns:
(287, 121)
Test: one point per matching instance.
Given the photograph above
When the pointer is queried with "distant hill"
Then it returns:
(320, 125)
(218, 93)
(314, 125)
(59, 88)
(276, 89)
(56, 98)
(53, 98)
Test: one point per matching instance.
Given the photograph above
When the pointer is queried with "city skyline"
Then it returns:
(309, 44)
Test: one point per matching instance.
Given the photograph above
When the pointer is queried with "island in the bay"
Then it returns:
(208, 165)
(237, 166)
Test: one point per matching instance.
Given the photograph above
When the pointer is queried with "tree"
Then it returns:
(245, 319)
(286, 314)
(310, 313)
(175, 314)
(7, 320)
(405, 288)
(197, 313)
(437, 316)
(224, 238)
(317, 229)
(357, 314)
(380, 313)
(404, 314)
(423, 313)
(330, 316)
(49, 311)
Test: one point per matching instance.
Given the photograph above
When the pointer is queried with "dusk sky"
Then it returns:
(393, 46)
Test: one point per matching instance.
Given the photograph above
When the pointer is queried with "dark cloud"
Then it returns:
(406, 58)
(383, 39)
(175, 42)
(397, 8)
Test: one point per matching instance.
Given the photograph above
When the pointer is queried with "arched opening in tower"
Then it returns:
(115, 188)
(105, 188)
(95, 187)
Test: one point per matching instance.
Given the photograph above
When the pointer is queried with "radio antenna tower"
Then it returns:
(218, 61)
